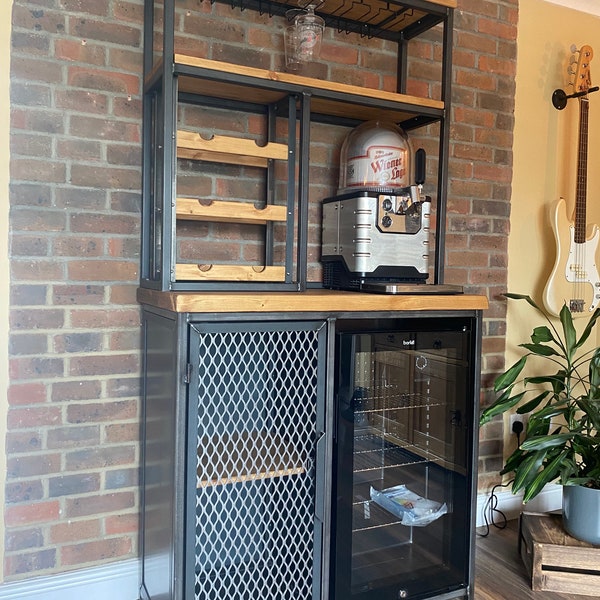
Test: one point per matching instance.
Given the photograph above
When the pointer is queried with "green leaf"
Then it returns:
(542, 442)
(522, 297)
(532, 404)
(542, 334)
(594, 372)
(513, 461)
(588, 329)
(510, 375)
(591, 410)
(540, 349)
(527, 470)
(549, 473)
(504, 403)
(566, 319)
(537, 426)
(557, 381)
(551, 411)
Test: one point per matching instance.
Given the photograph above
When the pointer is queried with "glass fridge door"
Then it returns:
(403, 467)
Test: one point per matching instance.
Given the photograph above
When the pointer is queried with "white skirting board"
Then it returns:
(116, 581)
(548, 500)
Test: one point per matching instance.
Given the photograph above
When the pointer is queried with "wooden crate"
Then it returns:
(556, 561)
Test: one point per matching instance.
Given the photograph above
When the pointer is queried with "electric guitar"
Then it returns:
(574, 280)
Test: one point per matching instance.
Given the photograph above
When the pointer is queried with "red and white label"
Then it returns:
(382, 166)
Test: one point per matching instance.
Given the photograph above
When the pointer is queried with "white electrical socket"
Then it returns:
(517, 418)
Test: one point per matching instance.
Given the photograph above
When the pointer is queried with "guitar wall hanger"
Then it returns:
(559, 97)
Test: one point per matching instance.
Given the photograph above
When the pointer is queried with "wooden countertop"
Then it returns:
(317, 300)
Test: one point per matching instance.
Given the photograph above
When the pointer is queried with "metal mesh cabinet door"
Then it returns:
(257, 404)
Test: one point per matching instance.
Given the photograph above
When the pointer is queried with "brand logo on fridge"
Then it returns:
(408, 342)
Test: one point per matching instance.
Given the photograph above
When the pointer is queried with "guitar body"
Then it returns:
(574, 280)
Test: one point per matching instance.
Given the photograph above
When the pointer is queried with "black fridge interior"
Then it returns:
(403, 458)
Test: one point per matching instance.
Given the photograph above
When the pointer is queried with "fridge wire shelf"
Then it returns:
(373, 451)
(387, 398)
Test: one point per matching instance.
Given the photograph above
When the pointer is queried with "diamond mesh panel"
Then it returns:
(257, 400)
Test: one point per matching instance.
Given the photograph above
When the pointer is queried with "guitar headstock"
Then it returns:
(582, 80)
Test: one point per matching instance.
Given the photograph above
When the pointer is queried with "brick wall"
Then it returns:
(72, 444)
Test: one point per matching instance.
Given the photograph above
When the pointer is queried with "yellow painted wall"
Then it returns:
(5, 19)
(545, 150)
(545, 139)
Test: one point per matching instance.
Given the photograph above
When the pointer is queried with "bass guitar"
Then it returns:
(574, 280)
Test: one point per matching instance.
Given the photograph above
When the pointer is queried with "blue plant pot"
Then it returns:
(581, 513)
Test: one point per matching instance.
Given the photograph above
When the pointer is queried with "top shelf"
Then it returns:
(217, 79)
(388, 19)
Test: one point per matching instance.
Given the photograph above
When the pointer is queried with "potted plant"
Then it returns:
(562, 439)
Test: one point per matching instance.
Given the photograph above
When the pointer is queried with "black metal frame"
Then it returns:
(161, 96)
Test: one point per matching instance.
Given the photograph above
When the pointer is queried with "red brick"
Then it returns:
(122, 432)
(23, 491)
(99, 504)
(39, 20)
(40, 319)
(129, 11)
(98, 270)
(76, 531)
(100, 457)
(102, 411)
(36, 512)
(73, 437)
(23, 539)
(26, 562)
(23, 441)
(27, 393)
(123, 294)
(82, 101)
(78, 295)
(46, 71)
(104, 30)
(126, 523)
(20, 418)
(500, 30)
(116, 364)
(19, 467)
(67, 391)
(32, 44)
(489, 64)
(102, 550)
(80, 51)
(111, 318)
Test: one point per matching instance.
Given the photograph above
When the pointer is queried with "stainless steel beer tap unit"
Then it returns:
(376, 232)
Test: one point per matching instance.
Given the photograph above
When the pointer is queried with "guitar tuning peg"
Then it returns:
(573, 48)
(570, 71)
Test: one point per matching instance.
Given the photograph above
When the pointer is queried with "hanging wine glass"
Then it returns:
(310, 33)
(303, 37)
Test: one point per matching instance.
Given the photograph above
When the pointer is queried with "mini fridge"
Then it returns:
(406, 392)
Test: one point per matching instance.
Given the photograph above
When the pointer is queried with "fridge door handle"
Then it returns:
(320, 455)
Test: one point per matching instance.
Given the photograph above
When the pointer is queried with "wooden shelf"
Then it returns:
(207, 272)
(226, 149)
(192, 209)
(245, 456)
(318, 300)
(217, 79)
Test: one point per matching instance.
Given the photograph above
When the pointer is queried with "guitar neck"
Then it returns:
(581, 190)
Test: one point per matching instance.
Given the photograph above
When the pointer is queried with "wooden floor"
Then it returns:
(499, 570)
